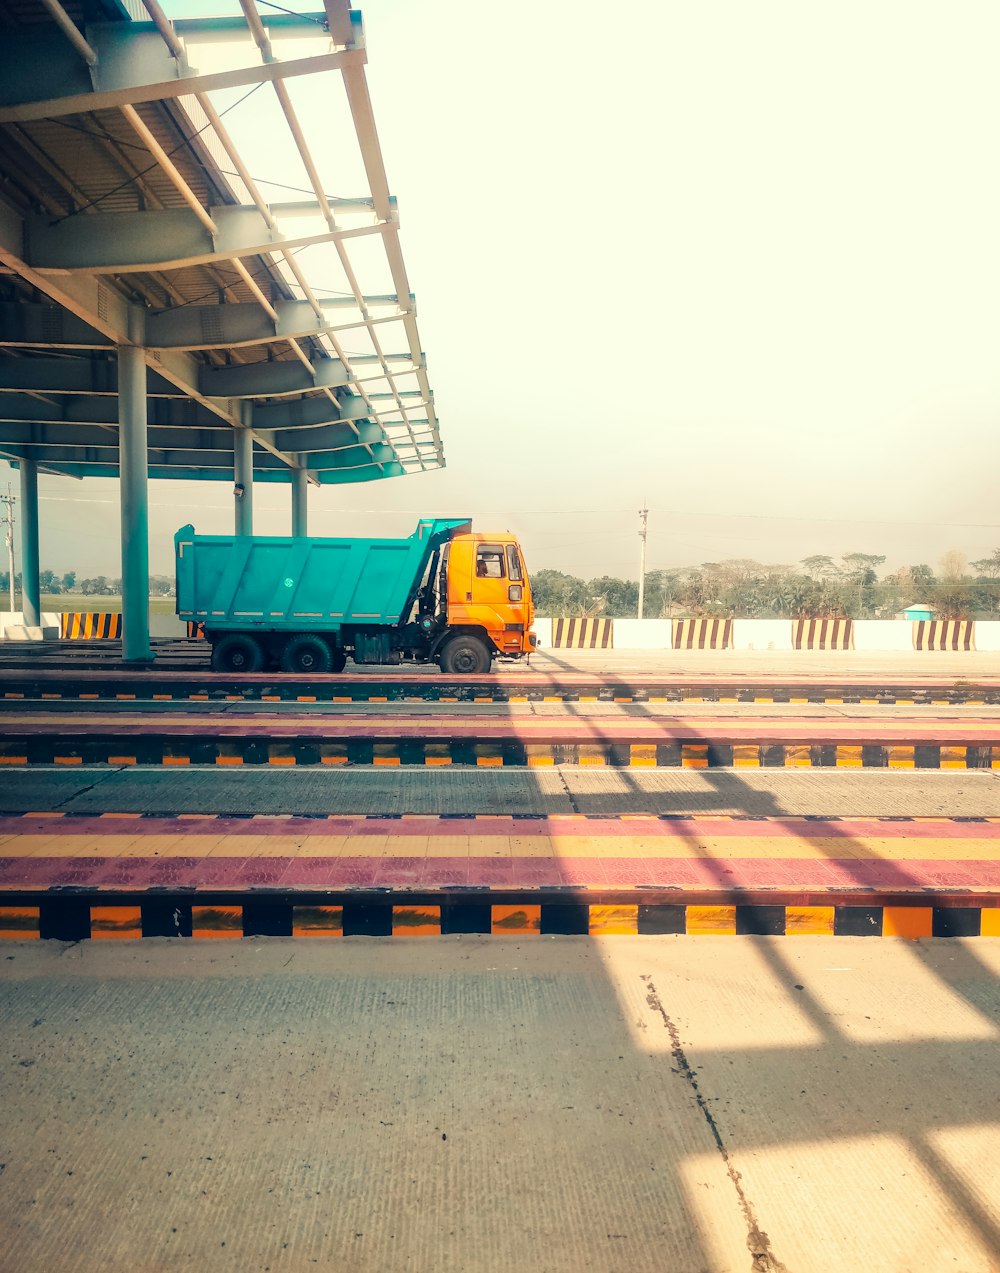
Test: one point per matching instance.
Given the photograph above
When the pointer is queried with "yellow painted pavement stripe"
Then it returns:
(818, 848)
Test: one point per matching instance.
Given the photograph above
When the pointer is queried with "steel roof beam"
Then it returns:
(30, 325)
(328, 477)
(42, 76)
(308, 411)
(236, 325)
(271, 379)
(100, 409)
(164, 456)
(334, 461)
(280, 427)
(166, 239)
(330, 437)
(73, 375)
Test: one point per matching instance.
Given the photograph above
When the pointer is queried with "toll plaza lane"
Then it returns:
(466, 1104)
(566, 790)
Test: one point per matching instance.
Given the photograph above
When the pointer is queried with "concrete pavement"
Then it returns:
(463, 1105)
(536, 792)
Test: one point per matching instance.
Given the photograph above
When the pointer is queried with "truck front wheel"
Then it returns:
(237, 653)
(306, 655)
(465, 655)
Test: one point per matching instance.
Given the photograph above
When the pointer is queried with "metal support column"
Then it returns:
(243, 478)
(30, 591)
(133, 467)
(300, 503)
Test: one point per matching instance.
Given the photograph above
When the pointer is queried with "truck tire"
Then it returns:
(339, 661)
(237, 652)
(464, 655)
(306, 655)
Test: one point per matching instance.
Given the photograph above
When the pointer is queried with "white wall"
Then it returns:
(986, 634)
(762, 634)
(543, 630)
(12, 627)
(643, 634)
(884, 634)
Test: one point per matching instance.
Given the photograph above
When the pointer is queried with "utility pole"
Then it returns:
(8, 519)
(643, 514)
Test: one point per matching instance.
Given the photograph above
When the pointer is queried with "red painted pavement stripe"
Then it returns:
(567, 825)
(336, 873)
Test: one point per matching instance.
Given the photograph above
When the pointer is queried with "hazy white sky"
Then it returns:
(738, 260)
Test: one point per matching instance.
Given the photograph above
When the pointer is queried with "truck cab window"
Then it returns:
(514, 572)
(489, 561)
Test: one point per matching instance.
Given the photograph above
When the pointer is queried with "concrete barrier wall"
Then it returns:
(702, 634)
(822, 634)
(883, 634)
(762, 634)
(944, 634)
(12, 627)
(90, 625)
(789, 634)
(987, 634)
(643, 634)
(582, 634)
(543, 630)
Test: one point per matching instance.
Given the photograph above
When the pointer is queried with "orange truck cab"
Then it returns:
(489, 606)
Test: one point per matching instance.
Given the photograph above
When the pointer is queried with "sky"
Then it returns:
(737, 262)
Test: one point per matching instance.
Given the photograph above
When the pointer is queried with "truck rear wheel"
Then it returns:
(237, 652)
(464, 655)
(307, 655)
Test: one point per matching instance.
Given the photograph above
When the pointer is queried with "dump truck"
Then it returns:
(305, 605)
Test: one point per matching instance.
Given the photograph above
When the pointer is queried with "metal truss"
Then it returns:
(129, 217)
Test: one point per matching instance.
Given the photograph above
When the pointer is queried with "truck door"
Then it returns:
(500, 590)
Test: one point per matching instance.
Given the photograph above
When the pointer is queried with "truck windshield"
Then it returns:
(514, 571)
(489, 561)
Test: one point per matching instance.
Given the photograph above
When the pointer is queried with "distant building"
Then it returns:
(916, 610)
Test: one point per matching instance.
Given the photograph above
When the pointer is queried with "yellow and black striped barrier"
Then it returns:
(161, 749)
(195, 629)
(77, 919)
(943, 634)
(582, 634)
(90, 625)
(702, 634)
(823, 634)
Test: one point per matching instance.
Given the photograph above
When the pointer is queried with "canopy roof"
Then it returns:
(129, 215)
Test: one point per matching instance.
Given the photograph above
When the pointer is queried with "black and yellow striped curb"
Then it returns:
(90, 625)
(80, 918)
(162, 749)
(291, 690)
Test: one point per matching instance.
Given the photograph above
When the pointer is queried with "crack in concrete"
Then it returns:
(763, 1259)
(569, 794)
(84, 790)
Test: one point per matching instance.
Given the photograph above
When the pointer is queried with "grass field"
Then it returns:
(69, 602)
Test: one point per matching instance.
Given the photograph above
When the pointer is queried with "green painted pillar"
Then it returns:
(300, 503)
(31, 601)
(133, 473)
(243, 478)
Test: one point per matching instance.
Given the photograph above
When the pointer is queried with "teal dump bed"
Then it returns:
(298, 584)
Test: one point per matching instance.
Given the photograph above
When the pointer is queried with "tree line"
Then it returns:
(817, 587)
(53, 585)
